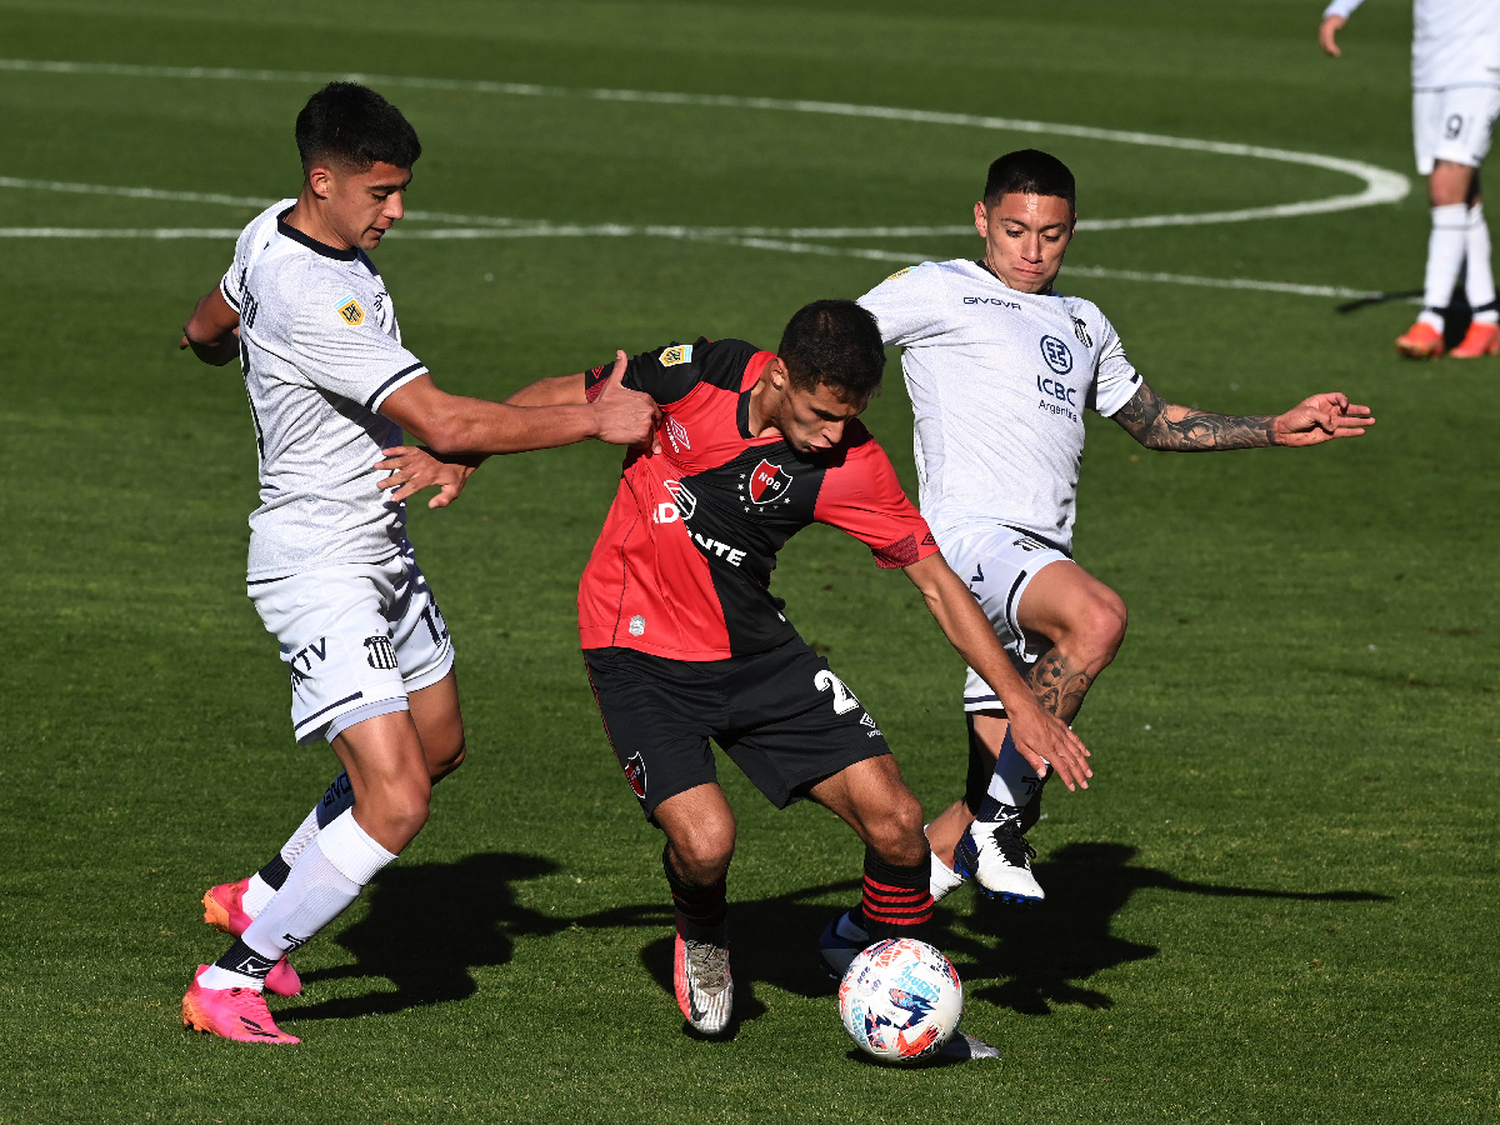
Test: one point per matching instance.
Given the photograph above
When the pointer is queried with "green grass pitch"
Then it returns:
(1276, 904)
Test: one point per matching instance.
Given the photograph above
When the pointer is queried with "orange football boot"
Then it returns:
(1422, 341)
(1480, 339)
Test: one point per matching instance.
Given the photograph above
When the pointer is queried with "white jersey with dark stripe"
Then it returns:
(999, 381)
(321, 351)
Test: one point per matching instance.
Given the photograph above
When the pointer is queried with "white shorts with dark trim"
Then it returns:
(356, 640)
(1454, 124)
(998, 563)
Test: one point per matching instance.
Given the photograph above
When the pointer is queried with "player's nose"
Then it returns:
(395, 208)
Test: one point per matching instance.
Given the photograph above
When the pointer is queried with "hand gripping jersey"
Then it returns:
(999, 381)
(321, 351)
(683, 566)
(1453, 43)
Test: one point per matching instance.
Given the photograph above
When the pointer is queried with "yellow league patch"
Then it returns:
(677, 353)
(351, 311)
(901, 273)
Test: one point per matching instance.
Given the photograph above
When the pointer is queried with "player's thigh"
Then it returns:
(1000, 566)
(1066, 601)
(440, 724)
(658, 715)
(793, 722)
(333, 630)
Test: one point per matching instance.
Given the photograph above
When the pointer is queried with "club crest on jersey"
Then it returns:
(768, 483)
(1057, 355)
(635, 773)
(352, 312)
(676, 354)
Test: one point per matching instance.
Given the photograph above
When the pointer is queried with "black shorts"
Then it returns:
(783, 716)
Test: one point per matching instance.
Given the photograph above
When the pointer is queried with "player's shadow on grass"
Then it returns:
(427, 926)
(773, 940)
(1043, 950)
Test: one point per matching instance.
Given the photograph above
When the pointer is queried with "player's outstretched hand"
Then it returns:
(625, 417)
(1327, 32)
(1043, 739)
(1322, 418)
(412, 469)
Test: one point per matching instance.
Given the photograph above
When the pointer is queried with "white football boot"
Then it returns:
(996, 856)
(700, 976)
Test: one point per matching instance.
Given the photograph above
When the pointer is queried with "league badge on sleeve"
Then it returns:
(676, 354)
(351, 310)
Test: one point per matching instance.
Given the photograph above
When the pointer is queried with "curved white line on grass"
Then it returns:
(777, 245)
(1381, 185)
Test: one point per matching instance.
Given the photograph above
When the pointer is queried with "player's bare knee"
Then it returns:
(1097, 629)
(896, 836)
(702, 858)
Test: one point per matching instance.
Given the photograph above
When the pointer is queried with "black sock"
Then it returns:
(702, 909)
(245, 961)
(897, 899)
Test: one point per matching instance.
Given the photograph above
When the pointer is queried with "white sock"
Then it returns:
(257, 894)
(1479, 280)
(326, 878)
(1014, 781)
(1445, 256)
(944, 879)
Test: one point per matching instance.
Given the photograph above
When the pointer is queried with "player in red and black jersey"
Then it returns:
(684, 641)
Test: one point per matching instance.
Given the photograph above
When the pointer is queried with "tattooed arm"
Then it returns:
(1158, 424)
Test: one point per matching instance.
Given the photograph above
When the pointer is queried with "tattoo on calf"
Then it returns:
(1158, 424)
(1058, 685)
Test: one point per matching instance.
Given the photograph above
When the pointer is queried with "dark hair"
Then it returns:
(353, 126)
(1030, 171)
(834, 342)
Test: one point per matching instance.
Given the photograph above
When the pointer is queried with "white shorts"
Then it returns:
(998, 564)
(1456, 124)
(356, 640)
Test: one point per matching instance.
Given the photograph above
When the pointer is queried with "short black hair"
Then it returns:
(1030, 171)
(835, 342)
(351, 125)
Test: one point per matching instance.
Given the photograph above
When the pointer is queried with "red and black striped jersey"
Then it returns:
(683, 566)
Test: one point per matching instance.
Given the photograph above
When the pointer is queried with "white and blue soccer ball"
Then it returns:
(901, 1000)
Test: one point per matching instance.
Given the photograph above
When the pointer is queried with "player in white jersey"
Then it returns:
(1000, 369)
(1455, 78)
(330, 570)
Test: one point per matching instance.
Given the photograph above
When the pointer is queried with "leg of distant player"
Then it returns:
(700, 833)
(231, 907)
(1458, 234)
(1085, 620)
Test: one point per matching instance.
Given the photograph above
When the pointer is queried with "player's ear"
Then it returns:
(981, 220)
(321, 181)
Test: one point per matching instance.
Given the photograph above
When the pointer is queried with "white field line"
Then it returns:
(777, 245)
(1381, 185)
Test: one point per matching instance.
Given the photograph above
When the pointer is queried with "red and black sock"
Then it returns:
(701, 909)
(897, 900)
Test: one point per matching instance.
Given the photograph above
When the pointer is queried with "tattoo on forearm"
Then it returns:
(1158, 424)
(1059, 685)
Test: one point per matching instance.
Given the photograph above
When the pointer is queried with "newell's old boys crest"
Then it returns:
(635, 773)
(769, 483)
(351, 311)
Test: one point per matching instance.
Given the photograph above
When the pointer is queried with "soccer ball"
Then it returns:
(901, 1000)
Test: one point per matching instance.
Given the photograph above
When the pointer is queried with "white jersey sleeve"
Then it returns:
(342, 348)
(1343, 8)
(908, 305)
(1115, 377)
